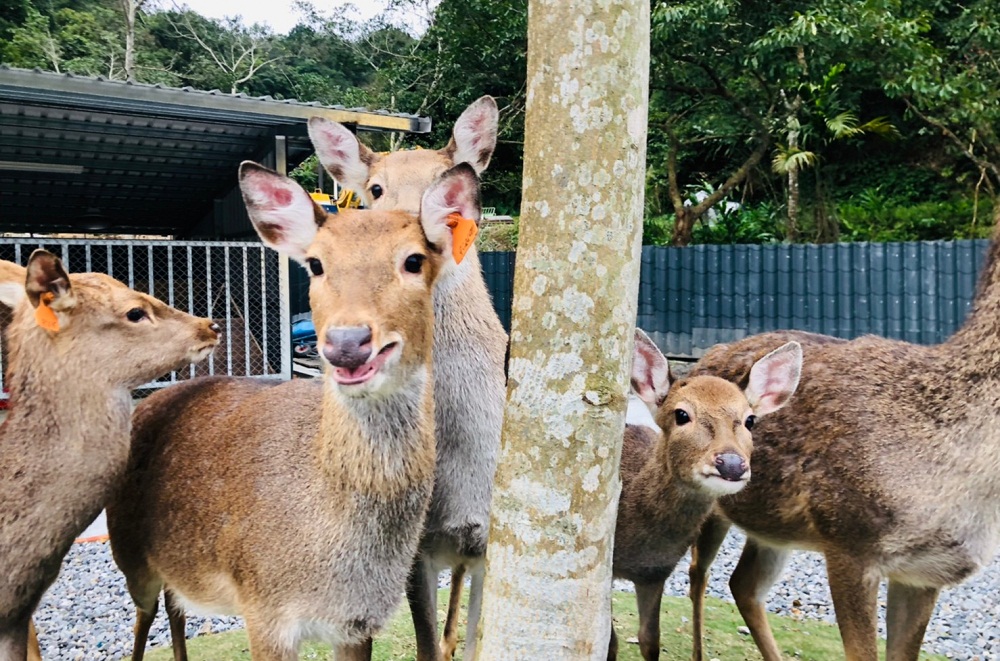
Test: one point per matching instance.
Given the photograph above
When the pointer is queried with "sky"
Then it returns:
(276, 13)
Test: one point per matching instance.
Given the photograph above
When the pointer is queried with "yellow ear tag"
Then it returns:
(46, 316)
(463, 235)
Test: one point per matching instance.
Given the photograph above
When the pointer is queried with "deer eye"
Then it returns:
(376, 192)
(414, 263)
(135, 315)
(681, 417)
(315, 266)
(751, 421)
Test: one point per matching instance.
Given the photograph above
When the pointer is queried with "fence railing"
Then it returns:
(242, 286)
(692, 298)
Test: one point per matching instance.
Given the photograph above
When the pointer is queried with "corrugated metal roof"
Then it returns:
(150, 159)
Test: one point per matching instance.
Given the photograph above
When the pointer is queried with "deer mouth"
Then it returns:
(711, 480)
(364, 373)
(202, 352)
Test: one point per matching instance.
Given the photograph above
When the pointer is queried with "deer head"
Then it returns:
(111, 333)
(398, 180)
(372, 272)
(706, 421)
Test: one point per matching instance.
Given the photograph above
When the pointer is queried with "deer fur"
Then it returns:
(66, 436)
(469, 383)
(887, 462)
(300, 505)
(671, 479)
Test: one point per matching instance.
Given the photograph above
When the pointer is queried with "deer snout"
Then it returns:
(348, 346)
(731, 466)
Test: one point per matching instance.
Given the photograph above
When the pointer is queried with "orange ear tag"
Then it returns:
(46, 316)
(463, 235)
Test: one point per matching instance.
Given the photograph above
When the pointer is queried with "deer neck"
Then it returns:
(383, 446)
(69, 414)
(974, 350)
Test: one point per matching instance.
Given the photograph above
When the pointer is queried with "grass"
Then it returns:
(799, 639)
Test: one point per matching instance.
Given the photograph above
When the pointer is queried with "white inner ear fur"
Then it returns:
(650, 371)
(287, 227)
(340, 152)
(12, 293)
(475, 135)
(774, 379)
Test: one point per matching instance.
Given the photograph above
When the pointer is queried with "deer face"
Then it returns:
(372, 273)
(398, 180)
(706, 421)
(107, 330)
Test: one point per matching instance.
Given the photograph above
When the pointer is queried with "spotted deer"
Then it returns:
(78, 345)
(887, 462)
(300, 505)
(469, 384)
(672, 478)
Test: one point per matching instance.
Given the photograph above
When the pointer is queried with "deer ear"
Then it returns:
(475, 134)
(455, 191)
(650, 372)
(342, 155)
(774, 378)
(281, 211)
(12, 283)
(49, 291)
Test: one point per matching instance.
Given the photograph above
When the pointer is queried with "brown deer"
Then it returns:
(671, 479)
(300, 505)
(887, 462)
(469, 383)
(78, 345)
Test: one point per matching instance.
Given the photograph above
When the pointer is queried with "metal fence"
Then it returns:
(243, 286)
(692, 298)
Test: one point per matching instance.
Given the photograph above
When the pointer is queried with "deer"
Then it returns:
(886, 462)
(469, 367)
(79, 344)
(300, 505)
(672, 478)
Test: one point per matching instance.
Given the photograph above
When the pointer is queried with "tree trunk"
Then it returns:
(130, 7)
(792, 230)
(555, 499)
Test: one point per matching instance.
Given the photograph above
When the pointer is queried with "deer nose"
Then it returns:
(215, 328)
(348, 346)
(731, 466)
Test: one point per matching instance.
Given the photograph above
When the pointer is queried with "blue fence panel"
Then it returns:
(692, 298)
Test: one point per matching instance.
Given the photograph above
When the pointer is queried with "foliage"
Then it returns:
(873, 215)
(813, 87)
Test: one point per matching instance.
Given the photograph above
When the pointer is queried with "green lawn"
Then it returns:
(803, 640)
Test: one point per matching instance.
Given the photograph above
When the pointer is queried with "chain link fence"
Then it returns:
(242, 286)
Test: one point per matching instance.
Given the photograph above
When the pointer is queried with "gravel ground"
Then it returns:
(87, 614)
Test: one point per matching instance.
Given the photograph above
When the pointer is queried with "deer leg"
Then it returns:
(475, 610)
(34, 649)
(907, 614)
(358, 652)
(648, 597)
(267, 643)
(421, 593)
(759, 567)
(178, 628)
(703, 551)
(144, 617)
(855, 601)
(450, 641)
(14, 641)
(613, 644)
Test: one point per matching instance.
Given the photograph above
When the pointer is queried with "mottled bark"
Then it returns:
(129, 8)
(555, 499)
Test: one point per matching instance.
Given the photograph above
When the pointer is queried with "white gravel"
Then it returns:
(87, 614)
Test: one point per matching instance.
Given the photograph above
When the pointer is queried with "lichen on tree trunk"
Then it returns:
(548, 581)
